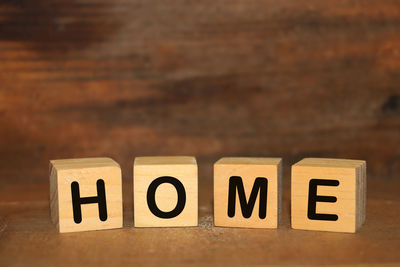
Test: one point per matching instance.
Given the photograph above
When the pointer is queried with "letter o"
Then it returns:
(151, 200)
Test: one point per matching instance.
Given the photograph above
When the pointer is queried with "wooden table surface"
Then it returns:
(212, 78)
(28, 237)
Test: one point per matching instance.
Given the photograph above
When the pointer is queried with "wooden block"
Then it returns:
(329, 194)
(85, 194)
(247, 192)
(165, 191)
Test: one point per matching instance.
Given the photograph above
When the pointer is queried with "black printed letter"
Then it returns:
(151, 194)
(313, 198)
(260, 184)
(77, 201)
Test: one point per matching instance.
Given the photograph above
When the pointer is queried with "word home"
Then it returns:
(327, 194)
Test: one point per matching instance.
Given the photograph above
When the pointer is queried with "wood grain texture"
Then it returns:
(168, 196)
(349, 193)
(86, 172)
(219, 78)
(248, 170)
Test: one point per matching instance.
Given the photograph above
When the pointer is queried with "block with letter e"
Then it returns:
(328, 194)
(165, 191)
(85, 194)
(247, 192)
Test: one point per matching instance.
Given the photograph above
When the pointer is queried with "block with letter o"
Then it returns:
(165, 191)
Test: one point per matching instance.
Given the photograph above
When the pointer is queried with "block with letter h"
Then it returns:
(247, 192)
(328, 194)
(85, 194)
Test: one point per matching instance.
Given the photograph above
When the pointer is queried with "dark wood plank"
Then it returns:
(125, 78)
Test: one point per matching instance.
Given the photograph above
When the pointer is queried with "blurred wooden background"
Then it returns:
(216, 78)
(205, 78)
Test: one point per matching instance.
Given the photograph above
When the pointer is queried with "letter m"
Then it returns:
(260, 185)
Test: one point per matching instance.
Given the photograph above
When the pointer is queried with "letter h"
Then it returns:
(77, 201)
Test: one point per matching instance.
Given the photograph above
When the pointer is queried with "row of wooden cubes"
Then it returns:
(327, 194)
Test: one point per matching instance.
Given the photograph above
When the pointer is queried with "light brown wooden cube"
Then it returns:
(247, 192)
(85, 194)
(328, 194)
(165, 191)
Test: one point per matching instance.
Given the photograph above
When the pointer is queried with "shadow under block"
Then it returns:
(328, 194)
(95, 185)
(261, 180)
(165, 192)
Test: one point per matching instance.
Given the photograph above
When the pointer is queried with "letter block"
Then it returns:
(328, 194)
(165, 191)
(247, 192)
(85, 194)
